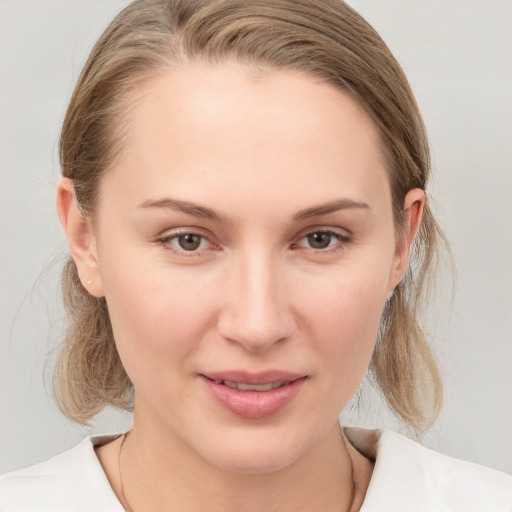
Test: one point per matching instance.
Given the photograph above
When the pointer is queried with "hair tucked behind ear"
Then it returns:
(323, 38)
(403, 365)
(89, 372)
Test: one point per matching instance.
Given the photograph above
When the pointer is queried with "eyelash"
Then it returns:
(342, 241)
(166, 243)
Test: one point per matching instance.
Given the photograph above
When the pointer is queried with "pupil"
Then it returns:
(189, 242)
(319, 240)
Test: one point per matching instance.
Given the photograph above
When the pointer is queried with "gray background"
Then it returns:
(457, 54)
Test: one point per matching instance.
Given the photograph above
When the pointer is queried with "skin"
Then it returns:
(257, 149)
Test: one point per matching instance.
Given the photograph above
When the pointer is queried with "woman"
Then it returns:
(243, 185)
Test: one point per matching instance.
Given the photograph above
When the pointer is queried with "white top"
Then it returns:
(407, 478)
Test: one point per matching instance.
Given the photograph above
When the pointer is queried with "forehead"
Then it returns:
(227, 126)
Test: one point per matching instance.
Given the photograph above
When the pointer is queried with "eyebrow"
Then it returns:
(331, 207)
(183, 206)
(206, 213)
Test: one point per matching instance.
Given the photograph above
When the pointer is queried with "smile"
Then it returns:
(241, 386)
(253, 396)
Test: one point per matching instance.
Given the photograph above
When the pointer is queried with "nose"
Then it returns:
(256, 313)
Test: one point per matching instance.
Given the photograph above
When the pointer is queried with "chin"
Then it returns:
(254, 453)
(252, 461)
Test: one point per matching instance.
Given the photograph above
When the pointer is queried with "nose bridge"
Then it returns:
(256, 314)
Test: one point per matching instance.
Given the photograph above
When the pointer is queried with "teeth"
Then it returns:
(252, 387)
(255, 387)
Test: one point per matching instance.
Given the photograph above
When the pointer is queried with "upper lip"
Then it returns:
(245, 377)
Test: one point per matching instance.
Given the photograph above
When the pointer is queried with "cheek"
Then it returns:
(156, 315)
(344, 313)
(350, 299)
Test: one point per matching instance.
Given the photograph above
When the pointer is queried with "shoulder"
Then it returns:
(73, 480)
(408, 476)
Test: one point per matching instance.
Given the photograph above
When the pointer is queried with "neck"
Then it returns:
(159, 472)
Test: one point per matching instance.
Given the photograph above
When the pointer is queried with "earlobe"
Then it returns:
(81, 239)
(412, 214)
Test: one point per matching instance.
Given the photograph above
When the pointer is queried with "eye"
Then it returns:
(188, 242)
(320, 240)
(185, 242)
(323, 240)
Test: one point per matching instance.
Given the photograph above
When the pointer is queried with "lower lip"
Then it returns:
(254, 404)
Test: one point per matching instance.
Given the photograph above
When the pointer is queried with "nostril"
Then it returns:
(253, 330)
(256, 313)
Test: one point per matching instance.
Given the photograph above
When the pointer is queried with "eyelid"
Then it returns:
(343, 236)
(344, 233)
(164, 240)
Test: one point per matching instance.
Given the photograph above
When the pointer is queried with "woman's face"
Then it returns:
(244, 242)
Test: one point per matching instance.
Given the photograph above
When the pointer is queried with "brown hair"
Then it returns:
(325, 38)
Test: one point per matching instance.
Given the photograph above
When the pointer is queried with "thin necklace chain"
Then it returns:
(352, 474)
(125, 501)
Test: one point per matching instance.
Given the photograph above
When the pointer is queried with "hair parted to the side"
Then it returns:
(324, 38)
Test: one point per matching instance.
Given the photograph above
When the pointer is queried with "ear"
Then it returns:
(412, 214)
(81, 239)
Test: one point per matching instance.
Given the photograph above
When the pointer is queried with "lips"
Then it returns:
(253, 396)
(244, 377)
(252, 387)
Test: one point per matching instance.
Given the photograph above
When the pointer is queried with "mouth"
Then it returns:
(254, 396)
(244, 386)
